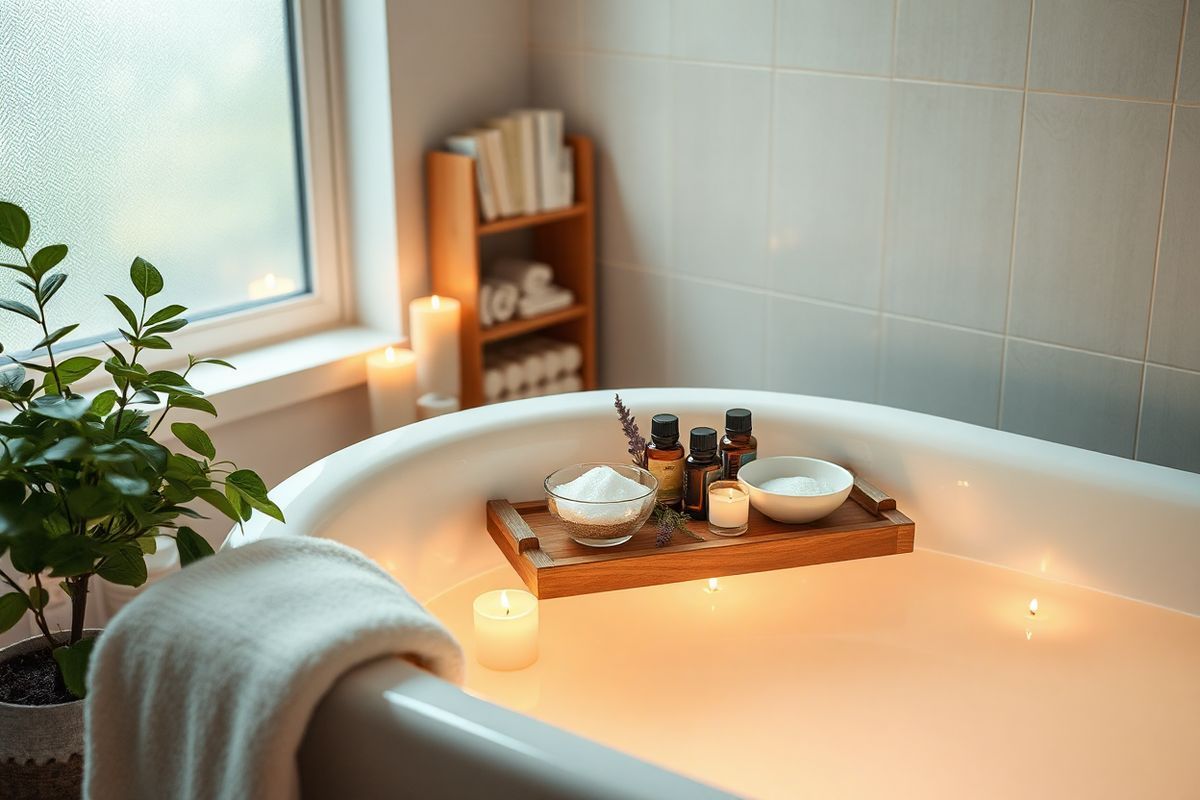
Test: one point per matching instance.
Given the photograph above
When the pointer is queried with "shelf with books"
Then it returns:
(564, 238)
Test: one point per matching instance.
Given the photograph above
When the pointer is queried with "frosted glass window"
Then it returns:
(160, 129)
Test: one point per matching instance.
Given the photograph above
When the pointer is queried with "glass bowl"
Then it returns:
(601, 523)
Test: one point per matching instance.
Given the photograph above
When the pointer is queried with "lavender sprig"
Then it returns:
(637, 442)
(669, 522)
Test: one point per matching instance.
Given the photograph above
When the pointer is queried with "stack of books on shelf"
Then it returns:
(521, 164)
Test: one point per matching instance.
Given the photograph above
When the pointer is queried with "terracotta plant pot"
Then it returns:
(41, 747)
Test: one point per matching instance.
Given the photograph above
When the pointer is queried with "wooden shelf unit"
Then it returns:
(564, 239)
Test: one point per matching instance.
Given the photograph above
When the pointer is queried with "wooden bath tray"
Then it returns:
(554, 565)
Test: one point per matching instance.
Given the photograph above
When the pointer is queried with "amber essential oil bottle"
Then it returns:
(664, 459)
(738, 445)
(702, 467)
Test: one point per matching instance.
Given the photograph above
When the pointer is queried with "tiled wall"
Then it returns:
(985, 209)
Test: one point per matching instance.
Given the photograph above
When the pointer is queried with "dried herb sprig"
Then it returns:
(637, 442)
(669, 522)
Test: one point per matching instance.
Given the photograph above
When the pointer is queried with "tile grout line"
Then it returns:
(888, 144)
(1012, 245)
(767, 349)
(1162, 216)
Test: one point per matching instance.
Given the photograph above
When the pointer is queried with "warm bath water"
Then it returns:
(916, 675)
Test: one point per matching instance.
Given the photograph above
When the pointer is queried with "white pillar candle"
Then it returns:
(728, 508)
(392, 388)
(270, 286)
(506, 629)
(433, 324)
(434, 405)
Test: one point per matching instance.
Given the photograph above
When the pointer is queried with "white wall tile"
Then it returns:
(953, 195)
(1112, 47)
(843, 35)
(1170, 430)
(822, 350)
(1091, 185)
(938, 370)
(629, 104)
(718, 336)
(554, 23)
(720, 133)
(977, 41)
(635, 327)
(627, 26)
(557, 81)
(1071, 397)
(828, 174)
(741, 31)
(1175, 329)
(1189, 77)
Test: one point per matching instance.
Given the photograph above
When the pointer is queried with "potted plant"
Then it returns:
(84, 490)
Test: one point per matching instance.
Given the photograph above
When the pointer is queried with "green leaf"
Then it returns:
(92, 502)
(56, 406)
(125, 310)
(148, 544)
(128, 485)
(65, 448)
(192, 546)
(167, 327)
(73, 664)
(69, 371)
(51, 287)
(194, 438)
(56, 335)
(12, 607)
(11, 379)
(254, 492)
(146, 279)
(220, 502)
(144, 396)
(126, 567)
(218, 361)
(104, 402)
(194, 403)
(14, 225)
(38, 597)
(165, 313)
(48, 258)
(19, 308)
(154, 343)
(21, 269)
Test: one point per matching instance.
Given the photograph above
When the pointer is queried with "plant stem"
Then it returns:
(79, 595)
(37, 296)
(39, 616)
(124, 401)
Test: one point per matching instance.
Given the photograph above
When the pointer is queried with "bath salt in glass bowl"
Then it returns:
(601, 505)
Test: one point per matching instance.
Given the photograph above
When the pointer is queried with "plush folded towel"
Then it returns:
(493, 383)
(530, 277)
(202, 686)
(572, 357)
(532, 362)
(547, 302)
(497, 301)
(512, 372)
(571, 383)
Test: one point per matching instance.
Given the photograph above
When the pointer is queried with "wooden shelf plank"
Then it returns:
(519, 327)
(532, 220)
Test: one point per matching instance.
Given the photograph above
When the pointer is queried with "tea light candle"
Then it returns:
(270, 286)
(506, 629)
(392, 388)
(433, 330)
(434, 405)
(728, 508)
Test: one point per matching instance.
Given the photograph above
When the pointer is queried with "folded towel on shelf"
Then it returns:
(203, 685)
(497, 301)
(547, 302)
(530, 277)
(532, 363)
(493, 383)
(552, 356)
(572, 357)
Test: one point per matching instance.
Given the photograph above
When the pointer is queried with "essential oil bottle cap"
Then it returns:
(737, 420)
(664, 426)
(704, 439)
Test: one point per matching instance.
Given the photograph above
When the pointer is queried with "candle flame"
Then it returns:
(390, 354)
(435, 301)
(504, 602)
(1033, 607)
(712, 586)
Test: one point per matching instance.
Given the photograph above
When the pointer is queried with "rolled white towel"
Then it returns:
(547, 302)
(513, 373)
(493, 383)
(533, 364)
(486, 319)
(571, 383)
(572, 357)
(530, 277)
(502, 298)
(552, 355)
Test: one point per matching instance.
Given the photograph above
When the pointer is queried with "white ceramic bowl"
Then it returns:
(790, 507)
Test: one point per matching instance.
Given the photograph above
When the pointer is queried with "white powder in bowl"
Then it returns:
(797, 485)
(603, 489)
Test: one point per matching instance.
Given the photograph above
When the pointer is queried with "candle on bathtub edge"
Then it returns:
(506, 629)
(728, 508)
(434, 405)
(433, 324)
(392, 388)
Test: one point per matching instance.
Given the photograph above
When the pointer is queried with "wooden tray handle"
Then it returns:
(872, 499)
(502, 516)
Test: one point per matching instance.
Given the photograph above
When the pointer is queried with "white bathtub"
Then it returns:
(1072, 523)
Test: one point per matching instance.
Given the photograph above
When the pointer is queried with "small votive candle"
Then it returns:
(392, 388)
(728, 508)
(435, 405)
(506, 629)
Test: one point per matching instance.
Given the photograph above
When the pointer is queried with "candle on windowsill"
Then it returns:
(506, 629)
(433, 324)
(392, 388)
(270, 286)
(728, 508)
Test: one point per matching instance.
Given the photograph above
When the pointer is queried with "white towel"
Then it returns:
(572, 357)
(493, 383)
(547, 302)
(202, 687)
(552, 355)
(497, 301)
(531, 277)
(571, 383)
(532, 363)
(512, 372)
